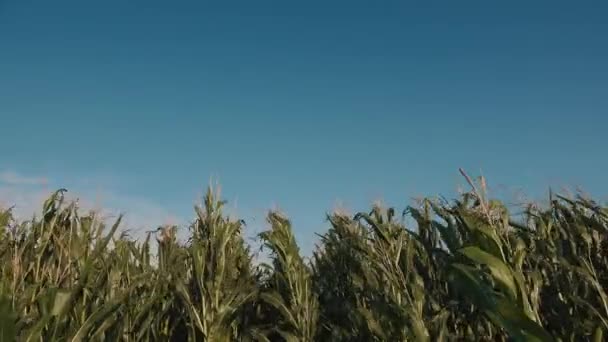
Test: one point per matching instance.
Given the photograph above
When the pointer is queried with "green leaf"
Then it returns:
(598, 335)
(499, 270)
(485, 234)
(420, 331)
(62, 297)
(448, 235)
(97, 320)
(516, 322)
(275, 300)
(7, 320)
(466, 279)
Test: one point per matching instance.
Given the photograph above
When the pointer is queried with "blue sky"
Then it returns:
(302, 105)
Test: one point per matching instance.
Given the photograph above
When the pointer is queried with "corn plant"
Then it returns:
(466, 269)
(289, 290)
(219, 282)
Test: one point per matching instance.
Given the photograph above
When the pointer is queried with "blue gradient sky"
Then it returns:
(301, 104)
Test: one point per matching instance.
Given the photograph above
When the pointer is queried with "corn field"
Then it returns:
(465, 269)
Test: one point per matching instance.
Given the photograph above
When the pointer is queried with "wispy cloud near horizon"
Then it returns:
(14, 178)
(26, 195)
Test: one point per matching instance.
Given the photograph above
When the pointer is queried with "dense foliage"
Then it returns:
(467, 269)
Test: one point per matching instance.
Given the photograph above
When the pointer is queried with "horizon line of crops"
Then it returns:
(466, 270)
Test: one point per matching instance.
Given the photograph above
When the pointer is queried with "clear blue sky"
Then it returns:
(304, 103)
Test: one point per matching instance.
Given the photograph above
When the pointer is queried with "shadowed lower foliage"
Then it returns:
(465, 270)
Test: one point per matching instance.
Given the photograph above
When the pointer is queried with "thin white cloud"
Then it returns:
(14, 178)
(24, 200)
(27, 194)
(140, 214)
